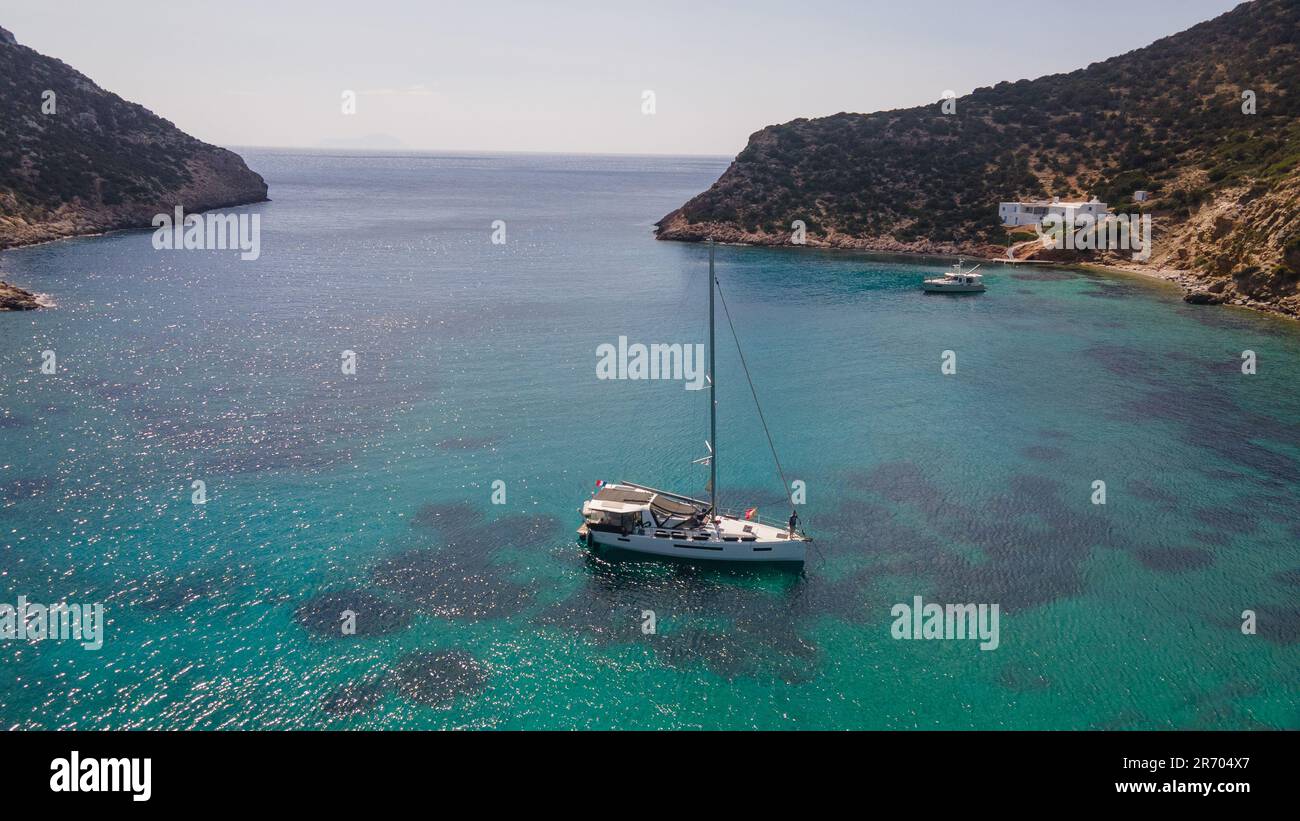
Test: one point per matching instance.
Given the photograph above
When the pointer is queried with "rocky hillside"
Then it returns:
(87, 161)
(1167, 118)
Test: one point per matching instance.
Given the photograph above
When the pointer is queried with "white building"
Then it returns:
(1141, 196)
(1029, 213)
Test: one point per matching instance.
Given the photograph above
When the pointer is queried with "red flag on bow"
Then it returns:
(749, 514)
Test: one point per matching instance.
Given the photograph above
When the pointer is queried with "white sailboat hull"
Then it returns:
(706, 551)
(724, 539)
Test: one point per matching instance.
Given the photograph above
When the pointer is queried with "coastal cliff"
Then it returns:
(76, 159)
(1207, 121)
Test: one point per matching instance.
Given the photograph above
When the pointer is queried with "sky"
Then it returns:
(561, 75)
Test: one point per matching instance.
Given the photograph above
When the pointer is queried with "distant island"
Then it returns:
(1201, 130)
(76, 159)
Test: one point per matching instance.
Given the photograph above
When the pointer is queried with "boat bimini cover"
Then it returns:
(666, 509)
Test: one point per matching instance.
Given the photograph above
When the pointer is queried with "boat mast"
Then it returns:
(713, 400)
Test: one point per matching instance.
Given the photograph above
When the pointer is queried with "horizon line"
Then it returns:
(472, 152)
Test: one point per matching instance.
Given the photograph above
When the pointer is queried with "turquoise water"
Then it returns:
(476, 364)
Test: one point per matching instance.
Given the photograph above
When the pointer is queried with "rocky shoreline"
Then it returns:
(676, 227)
(76, 221)
(1197, 290)
(13, 298)
(217, 178)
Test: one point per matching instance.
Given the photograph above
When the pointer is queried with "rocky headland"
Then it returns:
(76, 159)
(1206, 122)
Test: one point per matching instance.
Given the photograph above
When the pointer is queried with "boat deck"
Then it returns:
(729, 529)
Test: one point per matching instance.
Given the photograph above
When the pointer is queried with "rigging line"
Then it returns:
(754, 392)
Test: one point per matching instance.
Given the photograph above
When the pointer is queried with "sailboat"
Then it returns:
(640, 519)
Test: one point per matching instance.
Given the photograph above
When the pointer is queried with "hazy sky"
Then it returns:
(562, 75)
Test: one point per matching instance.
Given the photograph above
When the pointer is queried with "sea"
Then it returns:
(337, 486)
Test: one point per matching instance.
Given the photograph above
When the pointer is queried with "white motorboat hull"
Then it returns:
(943, 288)
(777, 550)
